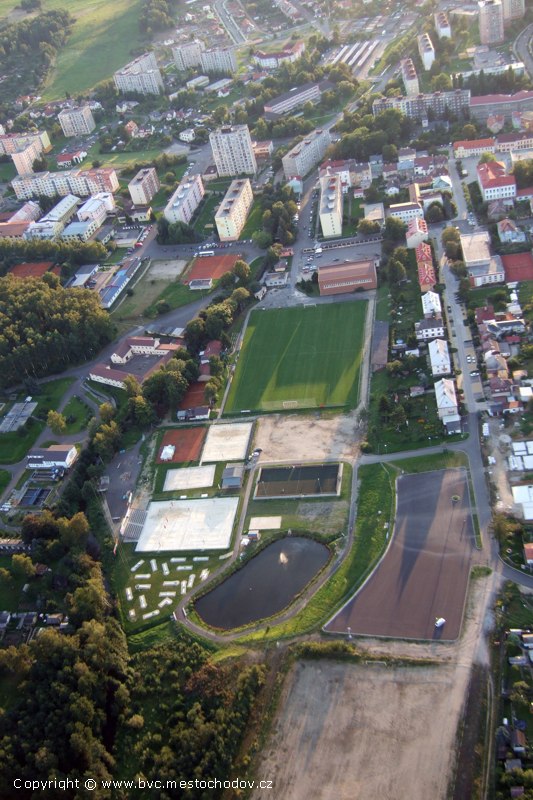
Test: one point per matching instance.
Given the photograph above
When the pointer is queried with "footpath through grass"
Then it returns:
(300, 358)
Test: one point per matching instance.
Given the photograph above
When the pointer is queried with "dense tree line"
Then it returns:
(29, 48)
(44, 328)
(68, 254)
(278, 205)
(156, 15)
(364, 134)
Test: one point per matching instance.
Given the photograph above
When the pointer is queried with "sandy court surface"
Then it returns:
(265, 523)
(227, 442)
(189, 478)
(167, 269)
(188, 525)
(295, 437)
(353, 732)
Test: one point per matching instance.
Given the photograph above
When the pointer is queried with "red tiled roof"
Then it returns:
(474, 144)
(31, 269)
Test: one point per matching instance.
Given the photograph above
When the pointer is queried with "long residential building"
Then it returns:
(483, 268)
(289, 54)
(456, 101)
(76, 181)
(513, 9)
(306, 154)
(350, 276)
(233, 151)
(144, 186)
(11, 142)
(330, 207)
(494, 182)
(220, 59)
(76, 121)
(188, 54)
(185, 200)
(233, 211)
(484, 106)
(442, 25)
(25, 156)
(141, 75)
(51, 225)
(298, 96)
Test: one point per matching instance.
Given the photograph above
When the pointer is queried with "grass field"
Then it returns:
(102, 40)
(300, 358)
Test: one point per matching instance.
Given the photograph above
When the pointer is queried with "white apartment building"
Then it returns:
(107, 199)
(144, 186)
(93, 210)
(426, 50)
(11, 142)
(219, 60)
(494, 182)
(141, 75)
(406, 211)
(75, 181)
(442, 25)
(298, 96)
(491, 21)
(431, 305)
(80, 231)
(233, 152)
(24, 157)
(185, 200)
(446, 398)
(188, 55)
(417, 232)
(439, 357)
(188, 135)
(513, 9)
(305, 155)
(409, 77)
(51, 225)
(234, 209)
(330, 208)
(76, 121)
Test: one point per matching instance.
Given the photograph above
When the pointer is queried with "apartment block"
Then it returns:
(426, 51)
(79, 182)
(188, 55)
(24, 157)
(290, 53)
(305, 155)
(409, 77)
(234, 209)
(406, 211)
(185, 200)
(308, 93)
(52, 224)
(484, 106)
(76, 121)
(491, 21)
(418, 107)
(330, 208)
(11, 142)
(513, 9)
(141, 75)
(494, 182)
(233, 151)
(144, 186)
(442, 25)
(219, 60)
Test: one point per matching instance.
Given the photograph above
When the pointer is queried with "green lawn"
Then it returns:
(77, 414)
(205, 221)
(176, 295)
(300, 358)
(5, 477)
(120, 160)
(253, 223)
(104, 38)
(15, 445)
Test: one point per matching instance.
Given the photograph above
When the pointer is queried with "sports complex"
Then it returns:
(300, 358)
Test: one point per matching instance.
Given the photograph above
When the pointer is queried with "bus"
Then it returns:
(203, 253)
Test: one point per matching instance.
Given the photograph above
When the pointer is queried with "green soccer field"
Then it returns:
(304, 357)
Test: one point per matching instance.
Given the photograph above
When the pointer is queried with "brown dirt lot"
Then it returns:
(301, 437)
(210, 267)
(341, 724)
(194, 396)
(187, 441)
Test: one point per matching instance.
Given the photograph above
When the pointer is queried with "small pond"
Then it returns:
(265, 585)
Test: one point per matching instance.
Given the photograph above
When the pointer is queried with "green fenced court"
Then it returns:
(294, 358)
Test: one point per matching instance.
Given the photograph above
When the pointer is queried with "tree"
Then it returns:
(366, 227)
(106, 440)
(132, 386)
(195, 334)
(22, 566)
(56, 422)
(441, 83)
(141, 411)
(435, 212)
(107, 411)
(242, 271)
(74, 531)
(211, 391)
(486, 158)
(394, 229)
(469, 131)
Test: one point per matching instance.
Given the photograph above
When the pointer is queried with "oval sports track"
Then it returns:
(424, 574)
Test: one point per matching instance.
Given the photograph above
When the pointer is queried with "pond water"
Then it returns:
(265, 585)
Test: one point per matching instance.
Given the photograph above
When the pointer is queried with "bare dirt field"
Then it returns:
(294, 437)
(187, 441)
(356, 731)
(169, 269)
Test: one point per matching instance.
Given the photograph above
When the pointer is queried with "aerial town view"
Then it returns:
(266, 399)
